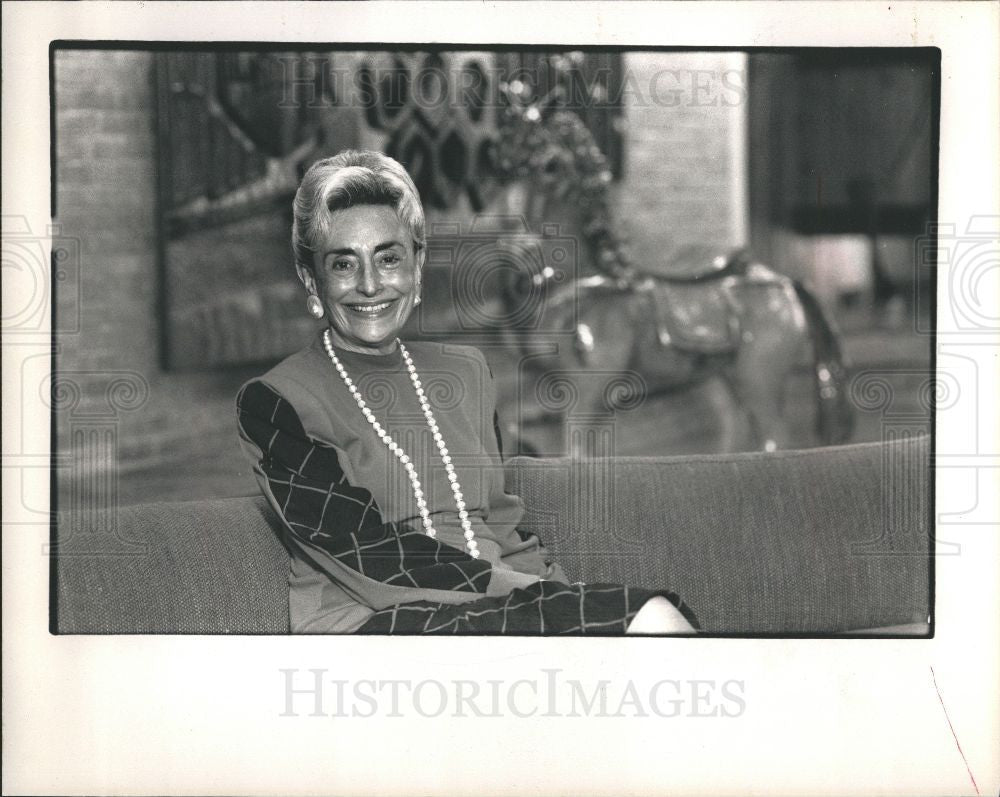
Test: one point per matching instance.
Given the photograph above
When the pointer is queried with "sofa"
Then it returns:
(818, 541)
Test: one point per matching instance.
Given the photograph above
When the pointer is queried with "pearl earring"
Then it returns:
(417, 300)
(314, 306)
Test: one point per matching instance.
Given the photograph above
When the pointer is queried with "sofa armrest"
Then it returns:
(196, 567)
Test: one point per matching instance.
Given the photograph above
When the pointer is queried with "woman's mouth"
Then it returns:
(371, 309)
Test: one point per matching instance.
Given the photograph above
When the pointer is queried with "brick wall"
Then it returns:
(686, 147)
(109, 370)
(105, 178)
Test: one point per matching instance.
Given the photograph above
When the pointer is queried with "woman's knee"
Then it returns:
(659, 616)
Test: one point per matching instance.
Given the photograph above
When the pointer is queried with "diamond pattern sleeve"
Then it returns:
(338, 526)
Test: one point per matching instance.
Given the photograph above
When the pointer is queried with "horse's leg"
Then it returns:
(589, 425)
(601, 350)
(725, 398)
(761, 406)
(774, 337)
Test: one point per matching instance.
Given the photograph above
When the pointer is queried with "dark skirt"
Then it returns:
(542, 608)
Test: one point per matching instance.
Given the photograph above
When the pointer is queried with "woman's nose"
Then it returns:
(368, 282)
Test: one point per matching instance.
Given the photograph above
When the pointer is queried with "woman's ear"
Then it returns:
(420, 254)
(306, 278)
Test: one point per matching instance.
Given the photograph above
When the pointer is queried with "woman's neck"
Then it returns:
(389, 347)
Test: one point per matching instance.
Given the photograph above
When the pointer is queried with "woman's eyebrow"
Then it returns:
(380, 247)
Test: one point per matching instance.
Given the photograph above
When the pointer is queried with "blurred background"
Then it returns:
(174, 173)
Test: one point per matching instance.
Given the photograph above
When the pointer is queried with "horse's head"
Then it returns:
(540, 165)
(550, 153)
(529, 149)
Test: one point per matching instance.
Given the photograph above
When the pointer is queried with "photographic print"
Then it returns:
(506, 398)
(684, 299)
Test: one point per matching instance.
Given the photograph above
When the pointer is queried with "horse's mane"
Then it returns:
(557, 149)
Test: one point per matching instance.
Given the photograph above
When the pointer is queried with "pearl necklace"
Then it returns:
(400, 454)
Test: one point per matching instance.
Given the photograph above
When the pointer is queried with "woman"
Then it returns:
(383, 459)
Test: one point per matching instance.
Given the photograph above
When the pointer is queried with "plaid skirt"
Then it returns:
(542, 608)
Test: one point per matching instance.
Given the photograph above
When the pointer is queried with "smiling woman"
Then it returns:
(383, 459)
(359, 247)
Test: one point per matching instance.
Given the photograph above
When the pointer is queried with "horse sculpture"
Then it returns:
(603, 341)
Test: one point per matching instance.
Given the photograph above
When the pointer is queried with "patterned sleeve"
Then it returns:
(337, 525)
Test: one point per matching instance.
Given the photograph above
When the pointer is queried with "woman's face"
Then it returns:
(367, 275)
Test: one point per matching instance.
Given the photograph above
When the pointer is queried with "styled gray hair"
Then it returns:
(352, 177)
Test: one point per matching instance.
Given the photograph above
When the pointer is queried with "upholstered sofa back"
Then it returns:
(813, 541)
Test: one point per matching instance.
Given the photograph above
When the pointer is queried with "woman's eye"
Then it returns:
(341, 266)
(391, 260)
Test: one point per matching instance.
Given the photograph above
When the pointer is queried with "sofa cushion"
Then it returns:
(819, 540)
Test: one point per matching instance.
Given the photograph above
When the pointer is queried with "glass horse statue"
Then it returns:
(617, 335)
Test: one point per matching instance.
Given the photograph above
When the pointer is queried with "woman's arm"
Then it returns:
(522, 550)
(339, 527)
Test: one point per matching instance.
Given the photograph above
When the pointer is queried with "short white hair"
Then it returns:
(352, 177)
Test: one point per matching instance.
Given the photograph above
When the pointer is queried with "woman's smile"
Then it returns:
(370, 310)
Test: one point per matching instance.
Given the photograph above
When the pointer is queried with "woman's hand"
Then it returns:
(659, 616)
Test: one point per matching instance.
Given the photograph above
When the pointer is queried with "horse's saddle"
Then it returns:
(690, 302)
(693, 316)
(696, 262)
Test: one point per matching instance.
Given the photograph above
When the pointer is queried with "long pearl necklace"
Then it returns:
(400, 454)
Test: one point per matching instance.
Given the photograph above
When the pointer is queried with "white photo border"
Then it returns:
(203, 715)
